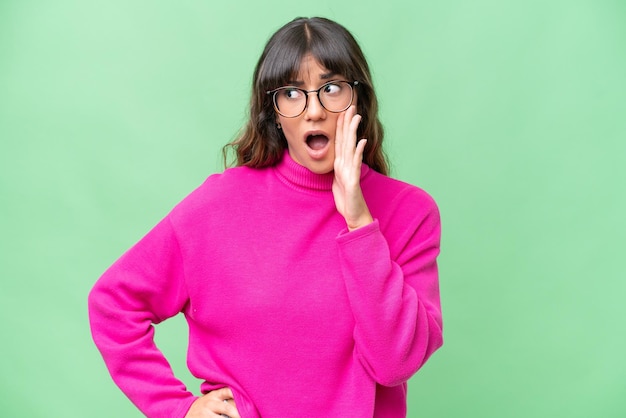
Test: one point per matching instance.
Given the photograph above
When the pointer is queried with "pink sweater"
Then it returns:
(298, 316)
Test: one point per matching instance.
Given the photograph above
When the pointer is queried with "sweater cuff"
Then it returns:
(346, 235)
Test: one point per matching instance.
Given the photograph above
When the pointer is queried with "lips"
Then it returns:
(317, 142)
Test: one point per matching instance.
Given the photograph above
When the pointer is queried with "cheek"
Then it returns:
(289, 130)
(333, 121)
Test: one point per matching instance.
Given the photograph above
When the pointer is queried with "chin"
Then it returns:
(322, 170)
(321, 167)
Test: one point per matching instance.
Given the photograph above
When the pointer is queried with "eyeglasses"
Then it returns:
(334, 96)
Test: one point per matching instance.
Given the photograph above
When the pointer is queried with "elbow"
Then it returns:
(403, 371)
(394, 368)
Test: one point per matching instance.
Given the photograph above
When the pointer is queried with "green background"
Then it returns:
(511, 114)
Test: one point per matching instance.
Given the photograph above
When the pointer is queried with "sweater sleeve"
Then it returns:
(395, 301)
(144, 287)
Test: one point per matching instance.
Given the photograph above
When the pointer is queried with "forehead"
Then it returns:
(310, 69)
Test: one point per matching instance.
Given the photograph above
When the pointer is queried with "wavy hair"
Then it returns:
(260, 143)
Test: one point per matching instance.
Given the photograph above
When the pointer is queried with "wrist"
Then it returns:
(360, 223)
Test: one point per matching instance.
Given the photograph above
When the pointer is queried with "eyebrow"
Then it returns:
(325, 76)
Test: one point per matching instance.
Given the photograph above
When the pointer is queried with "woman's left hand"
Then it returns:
(215, 404)
(347, 183)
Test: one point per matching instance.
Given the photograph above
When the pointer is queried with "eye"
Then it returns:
(332, 88)
(291, 93)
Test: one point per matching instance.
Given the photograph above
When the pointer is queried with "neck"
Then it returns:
(301, 178)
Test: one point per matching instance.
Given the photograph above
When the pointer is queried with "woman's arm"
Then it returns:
(144, 287)
(395, 302)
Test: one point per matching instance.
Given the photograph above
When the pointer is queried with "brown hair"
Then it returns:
(261, 143)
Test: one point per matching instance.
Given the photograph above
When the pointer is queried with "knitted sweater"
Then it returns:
(297, 315)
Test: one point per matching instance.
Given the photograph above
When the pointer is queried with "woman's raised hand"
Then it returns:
(215, 404)
(348, 158)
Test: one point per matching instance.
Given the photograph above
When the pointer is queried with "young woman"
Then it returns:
(307, 276)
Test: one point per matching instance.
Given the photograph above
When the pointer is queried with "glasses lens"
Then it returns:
(336, 96)
(290, 102)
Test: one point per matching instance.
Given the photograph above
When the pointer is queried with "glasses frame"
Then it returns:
(306, 95)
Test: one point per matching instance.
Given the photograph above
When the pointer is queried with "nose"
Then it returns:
(314, 109)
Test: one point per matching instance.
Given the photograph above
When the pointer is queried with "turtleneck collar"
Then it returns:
(300, 177)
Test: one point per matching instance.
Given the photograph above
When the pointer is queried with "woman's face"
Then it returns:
(311, 136)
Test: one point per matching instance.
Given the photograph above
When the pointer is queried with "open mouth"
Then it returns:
(317, 142)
